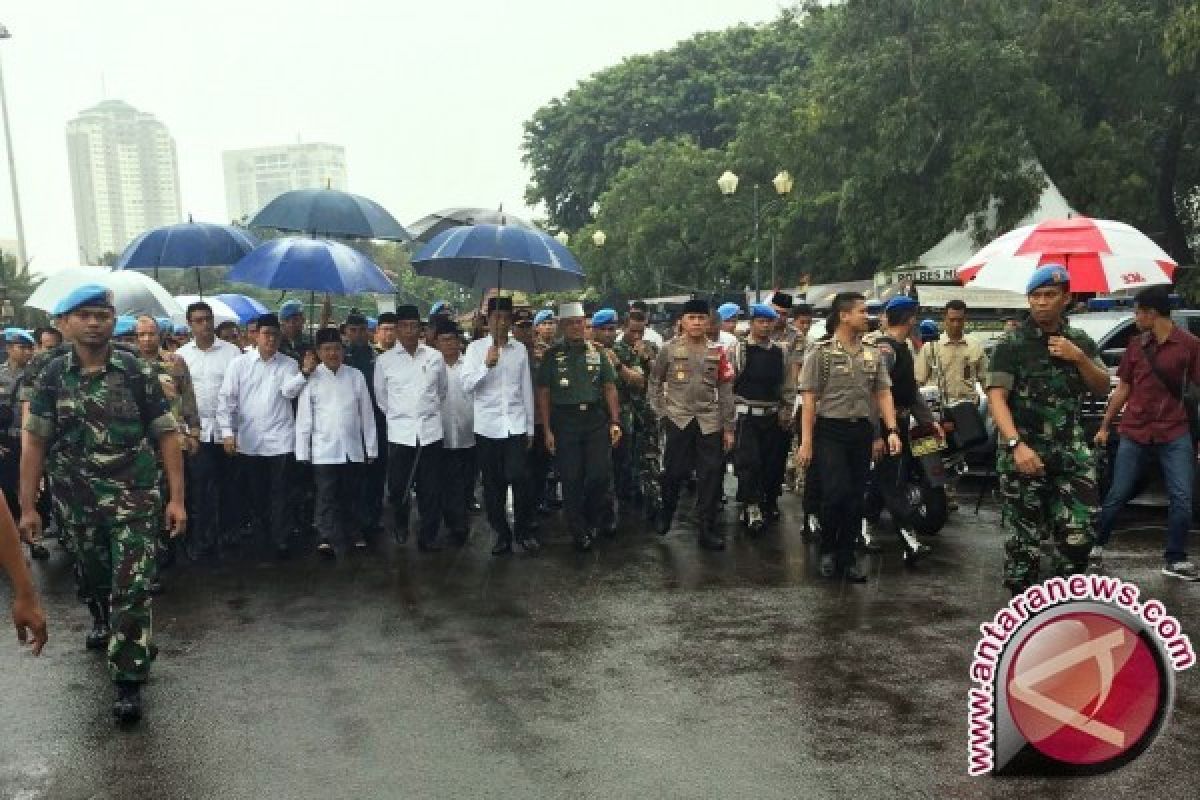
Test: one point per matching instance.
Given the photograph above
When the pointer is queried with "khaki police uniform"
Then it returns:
(954, 366)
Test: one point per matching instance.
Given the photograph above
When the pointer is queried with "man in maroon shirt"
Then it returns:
(1158, 363)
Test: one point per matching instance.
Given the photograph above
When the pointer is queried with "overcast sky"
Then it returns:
(427, 98)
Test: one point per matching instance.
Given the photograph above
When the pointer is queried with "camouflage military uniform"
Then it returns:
(1045, 395)
(10, 433)
(97, 428)
(640, 428)
(176, 382)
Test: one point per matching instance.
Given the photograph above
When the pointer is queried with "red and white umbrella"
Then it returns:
(1101, 256)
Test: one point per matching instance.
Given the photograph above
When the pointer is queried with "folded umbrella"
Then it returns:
(133, 292)
(500, 256)
(317, 265)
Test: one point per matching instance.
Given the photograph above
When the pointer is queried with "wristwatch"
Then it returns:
(1012, 443)
(890, 431)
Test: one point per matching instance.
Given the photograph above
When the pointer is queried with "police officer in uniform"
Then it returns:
(1040, 375)
(843, 380)
(691, 390)
(577, 397)
(763, 397)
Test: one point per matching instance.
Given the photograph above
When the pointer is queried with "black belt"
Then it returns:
(844, 420)
(576, 408)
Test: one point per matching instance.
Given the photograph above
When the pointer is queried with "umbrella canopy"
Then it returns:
(133, 292)
(186, 245)
(428, 227)
(246, 308)
(329, 212)
(1101, 256)
(221, 312)
(500, 256)
(317, 265)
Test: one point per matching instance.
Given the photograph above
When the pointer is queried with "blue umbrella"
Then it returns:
(187, 245)
(500, 256)
(329, 212)
(317, 265)
(246, 308)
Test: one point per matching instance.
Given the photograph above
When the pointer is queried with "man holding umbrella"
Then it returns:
(292, 339)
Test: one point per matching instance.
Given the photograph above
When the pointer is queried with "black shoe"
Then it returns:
(457, 539)
(503, 546)
(711, 540)
(326, 551)
(770, 512)
(360, 543)
(828, 566)
(914, 551)
(584, 539)
(155, 587)
(97, 637)
(529, 543)
(852, 574)
(401, 534)
(38, 551)
(544, 509)
(474, 507)
(128, 706)
(428, 547)
(663, 524)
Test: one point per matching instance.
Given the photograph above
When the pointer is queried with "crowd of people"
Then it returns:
(126, 435)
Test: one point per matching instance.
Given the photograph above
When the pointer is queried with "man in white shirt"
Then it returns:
(208, 470)
(254, 416)
(458, 442)
(496, 371)
(410, 385)
(335, 430)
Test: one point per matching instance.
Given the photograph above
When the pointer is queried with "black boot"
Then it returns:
(128, 705)
(97, 637)
(38, 551)
(503, 546)
(710, 538)
(662, 525)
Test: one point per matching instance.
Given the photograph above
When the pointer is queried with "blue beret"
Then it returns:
(372, 323)
(292, 308)
(437, 308)
(605, 316)
(928, 330)
(727, 311)
(165, 325)
(90, 294)
(181, 330)
(18, 336)
(1049, 275)
(900, 301)
(762, 311)
(545, 315)
(126, 325)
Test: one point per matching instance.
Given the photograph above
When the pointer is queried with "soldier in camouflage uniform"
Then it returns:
(19, 344)
(636, 355)
(92, 415)
(1040, 375)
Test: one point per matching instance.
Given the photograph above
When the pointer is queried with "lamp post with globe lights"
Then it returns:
(783, 183)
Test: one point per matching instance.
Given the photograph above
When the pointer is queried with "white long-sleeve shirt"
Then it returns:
(335, 420)
(409, 390)
(458, 411)
(208, 368)
(504, 393)
(255, 404)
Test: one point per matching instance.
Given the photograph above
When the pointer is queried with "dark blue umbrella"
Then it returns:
(317, 265)
(500, 256)
(329, 212)
(187, 245)
(247, 308)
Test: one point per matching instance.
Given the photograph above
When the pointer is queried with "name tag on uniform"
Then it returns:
(593, 359)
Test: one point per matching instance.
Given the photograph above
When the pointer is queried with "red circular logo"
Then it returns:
(1084, 688)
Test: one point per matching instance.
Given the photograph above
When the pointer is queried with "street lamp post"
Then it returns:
(783, 183)
(12, 165)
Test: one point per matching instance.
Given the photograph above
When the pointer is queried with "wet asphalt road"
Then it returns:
(645, 669)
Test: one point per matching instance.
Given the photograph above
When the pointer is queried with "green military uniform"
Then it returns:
(574, 374)
(97, 427)
(640, 427)
(295, 347)
(1045, 395)
(10, 434)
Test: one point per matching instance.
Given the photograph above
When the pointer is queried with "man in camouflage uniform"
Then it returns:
(1040, 375)
(176, 381)
(629, 380)
(636, 355)
(19, 345)
(94, 411)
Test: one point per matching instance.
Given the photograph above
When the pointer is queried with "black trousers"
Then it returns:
(458, 474)
(756, 454)
(887, 487)
(775, 467)
(583, 455)
(10, 474)
(502, 462)
(417, 467)
(266, 483)
(208, 480)
(625, 465)
(538, 465)
(842, 456)
(374, 479)
(338, 488)
(687, 449)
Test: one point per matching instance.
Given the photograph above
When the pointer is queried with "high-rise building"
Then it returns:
(256, 176)
(124, 176)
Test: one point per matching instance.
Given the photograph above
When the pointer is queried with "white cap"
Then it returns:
(570, 311)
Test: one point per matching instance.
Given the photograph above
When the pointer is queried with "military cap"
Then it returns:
(355, 318)
(328, 336)
(438, 308)
(1048, 275)
(268, 321)
(165, 325)
(570, 311)
(181, 330)
(605, 316)
(545, 315)
(928, 330)
(89, 295)
(292, 308)
(696, 306)
(499, 304)
(781, 300)
(728, 311)
(18, 336)
(762, 311)
(406, 313)
(900, 301)
(126, 325)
